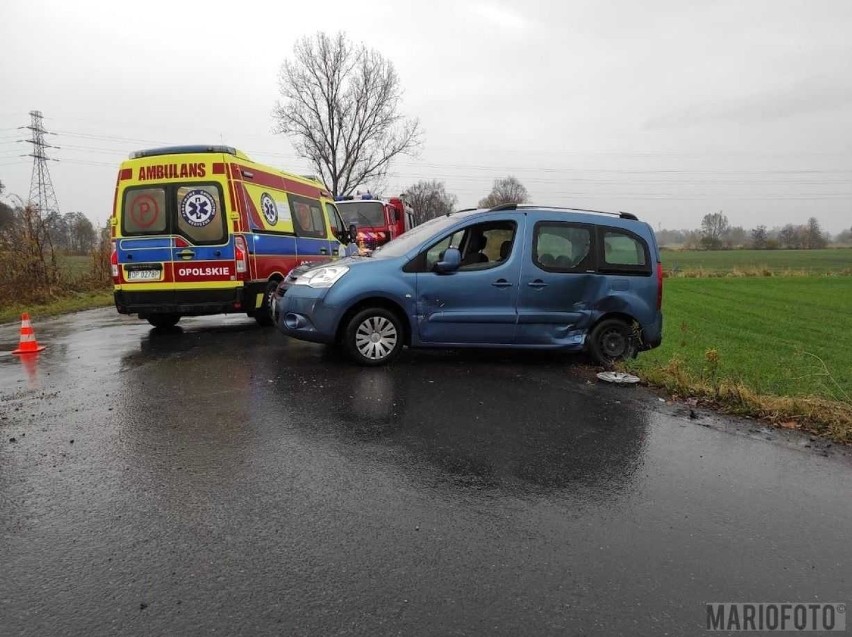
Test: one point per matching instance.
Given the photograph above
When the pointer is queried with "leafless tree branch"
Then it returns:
(340, 104)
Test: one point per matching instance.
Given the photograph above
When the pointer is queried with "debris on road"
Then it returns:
(619, 378)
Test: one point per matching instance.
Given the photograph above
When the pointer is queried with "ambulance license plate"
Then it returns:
(143, 275)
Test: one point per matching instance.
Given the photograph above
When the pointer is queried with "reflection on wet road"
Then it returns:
(224, 479)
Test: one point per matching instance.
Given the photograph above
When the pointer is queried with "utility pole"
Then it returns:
(42, 195)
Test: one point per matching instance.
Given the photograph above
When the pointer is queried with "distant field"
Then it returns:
(74, 267)
(763, 330)
(776, 261)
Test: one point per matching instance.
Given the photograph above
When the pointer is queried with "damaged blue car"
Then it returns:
(513, 276)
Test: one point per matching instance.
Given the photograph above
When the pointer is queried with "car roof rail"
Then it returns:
(455, 212)
(515, 206)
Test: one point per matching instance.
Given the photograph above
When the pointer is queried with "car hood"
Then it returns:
(295, 273)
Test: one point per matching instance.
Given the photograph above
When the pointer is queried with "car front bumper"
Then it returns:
(303, 314)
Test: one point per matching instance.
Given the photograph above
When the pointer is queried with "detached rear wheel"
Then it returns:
(265, 314)
(612, 340)
(373, 337)
(163, 320)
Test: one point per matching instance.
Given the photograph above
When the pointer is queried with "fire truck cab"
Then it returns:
(378, 220)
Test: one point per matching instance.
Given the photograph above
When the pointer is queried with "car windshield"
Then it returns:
(362, 213)
(414, 237)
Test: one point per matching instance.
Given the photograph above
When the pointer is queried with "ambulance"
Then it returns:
(200, 230)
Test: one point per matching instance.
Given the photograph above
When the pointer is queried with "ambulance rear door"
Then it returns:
(203, 247)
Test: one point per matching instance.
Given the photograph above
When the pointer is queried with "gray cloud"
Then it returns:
(817, 95)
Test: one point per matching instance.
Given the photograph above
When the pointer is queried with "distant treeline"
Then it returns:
(716, 233)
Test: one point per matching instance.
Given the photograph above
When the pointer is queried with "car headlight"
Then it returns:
(322, 277)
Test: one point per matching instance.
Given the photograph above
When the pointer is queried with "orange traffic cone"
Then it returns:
(28, 344)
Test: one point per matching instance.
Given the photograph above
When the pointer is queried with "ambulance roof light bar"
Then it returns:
(184, 150)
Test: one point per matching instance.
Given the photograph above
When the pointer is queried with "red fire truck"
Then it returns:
(378, 220)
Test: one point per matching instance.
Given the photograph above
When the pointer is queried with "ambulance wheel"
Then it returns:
(265, 314)
(164, 320)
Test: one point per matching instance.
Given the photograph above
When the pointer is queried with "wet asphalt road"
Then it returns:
(224, 480)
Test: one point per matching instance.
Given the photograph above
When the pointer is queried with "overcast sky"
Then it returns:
(671, 109)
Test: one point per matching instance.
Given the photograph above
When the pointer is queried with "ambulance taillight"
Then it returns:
(241, 255)
(113, 262)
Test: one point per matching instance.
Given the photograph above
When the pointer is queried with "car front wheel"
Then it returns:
(373, 336)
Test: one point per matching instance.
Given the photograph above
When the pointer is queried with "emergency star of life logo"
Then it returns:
(198, 208)
(270, 210)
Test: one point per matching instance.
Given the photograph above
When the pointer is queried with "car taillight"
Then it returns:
(241, 254)
(659, 286)
(113, 262)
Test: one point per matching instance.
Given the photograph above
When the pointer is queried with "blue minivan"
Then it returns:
(513, 276)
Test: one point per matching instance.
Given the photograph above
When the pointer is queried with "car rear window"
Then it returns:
(623, 252)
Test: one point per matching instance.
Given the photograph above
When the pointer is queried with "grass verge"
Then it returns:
(72, 303)
(758, 262)
(777, 348)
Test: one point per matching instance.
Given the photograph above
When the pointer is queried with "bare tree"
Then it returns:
(429, 199)
(27, 261)
(714, 227)
(341, 107)
(759, 238)
(815, 238)
(506, 190)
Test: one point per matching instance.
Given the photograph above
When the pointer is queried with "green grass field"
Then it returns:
(777, 261)
(764, 330)
(73, 267)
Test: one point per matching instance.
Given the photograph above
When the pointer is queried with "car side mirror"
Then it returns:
(353, 233)
(450, 261)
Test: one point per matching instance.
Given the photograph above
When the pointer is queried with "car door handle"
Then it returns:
(501, 283)
(538, 283)
(186, 254)
(323, 250)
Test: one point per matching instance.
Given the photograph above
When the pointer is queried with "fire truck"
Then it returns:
(378, 220)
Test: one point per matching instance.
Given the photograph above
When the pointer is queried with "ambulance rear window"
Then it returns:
(144, 211)
(200, 216)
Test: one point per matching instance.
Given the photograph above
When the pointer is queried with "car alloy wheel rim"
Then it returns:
(376, 338)
(613, 343)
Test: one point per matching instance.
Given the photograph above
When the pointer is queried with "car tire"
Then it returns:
(163, 320)
(612, 340)
(264, 315)
(373, 337)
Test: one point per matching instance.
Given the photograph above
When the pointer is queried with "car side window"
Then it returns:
(482, 246)
(436, 252)
(562, 247)
(487, 245)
